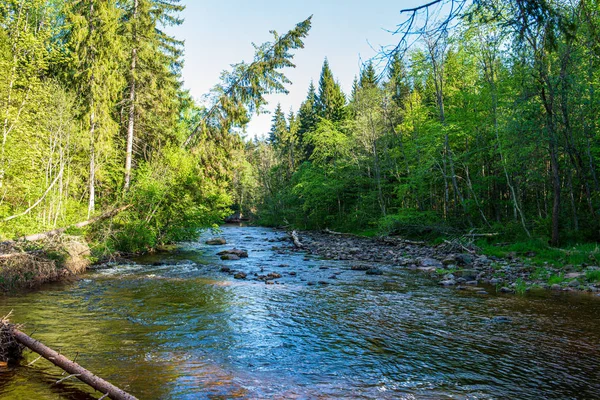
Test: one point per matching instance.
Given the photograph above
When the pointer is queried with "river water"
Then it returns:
(172, 326)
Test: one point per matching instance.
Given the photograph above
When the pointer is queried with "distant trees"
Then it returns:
(492, 125)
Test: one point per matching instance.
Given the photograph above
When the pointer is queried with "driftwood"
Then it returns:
(296, 240)
(75, 370)
(54, 232)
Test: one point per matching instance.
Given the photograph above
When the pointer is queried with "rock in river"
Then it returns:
(216, 241)
(240, 275)
(374, 271)
(236, 252)
(229, 257)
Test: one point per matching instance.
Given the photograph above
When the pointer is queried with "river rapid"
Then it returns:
(173, 326)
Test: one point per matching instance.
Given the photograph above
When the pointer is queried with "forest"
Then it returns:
(490, 128)
(487, 124)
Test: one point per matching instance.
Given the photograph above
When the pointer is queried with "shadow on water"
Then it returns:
(172, 326)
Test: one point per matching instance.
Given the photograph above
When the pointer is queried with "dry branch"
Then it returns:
(296, 240)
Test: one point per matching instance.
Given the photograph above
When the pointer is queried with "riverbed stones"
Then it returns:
(240, 275)
(360, 267)
(229, 257)
(447, 282)
(431, 262)
(225, 269)
(216, 241)
(235, 252)
(374, 271)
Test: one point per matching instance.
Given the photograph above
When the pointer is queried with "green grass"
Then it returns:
(592, 276)
(520, 286)
(556, 279)
(539, 252)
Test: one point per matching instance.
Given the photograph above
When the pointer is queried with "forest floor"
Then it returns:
(454, 264)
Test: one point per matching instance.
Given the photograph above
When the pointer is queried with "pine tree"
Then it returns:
(397, 80)
(98, 52)
(307, 117)
(331, 99)
(368, 77)
(278, 128)
(155, 63)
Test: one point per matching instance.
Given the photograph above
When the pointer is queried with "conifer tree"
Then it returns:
(278, 128)
(368, 77)
(98, 52)
(308, 114)
(331, 99)
(155, 60)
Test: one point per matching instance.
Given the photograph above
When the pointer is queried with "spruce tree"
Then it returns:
(368, 77)
(331, 99)
(153, 74)
(278, 128)
(308, 116)
(97, 50)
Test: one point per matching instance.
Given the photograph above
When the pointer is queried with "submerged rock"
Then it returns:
(240, 275)
(230, 257)
(216, 241)
(236, 252)
(374, 271)
(360, 268)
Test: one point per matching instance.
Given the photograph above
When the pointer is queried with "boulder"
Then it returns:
(216, 241)
(236, 252)
(230, 257)
(240, 275)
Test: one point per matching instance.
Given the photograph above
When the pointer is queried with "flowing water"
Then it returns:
(172, 326)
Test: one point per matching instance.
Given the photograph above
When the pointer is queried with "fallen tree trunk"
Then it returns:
(76, 370)
(54, 232)
(296, 240)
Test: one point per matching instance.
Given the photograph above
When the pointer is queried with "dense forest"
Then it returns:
(95, 117)
(491, 126)
(486, 123)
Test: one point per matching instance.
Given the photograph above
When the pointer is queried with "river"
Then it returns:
(172, 326)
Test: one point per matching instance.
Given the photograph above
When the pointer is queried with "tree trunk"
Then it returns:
(72, 367)
(130, 125)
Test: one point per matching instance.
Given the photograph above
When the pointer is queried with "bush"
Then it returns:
(415, 224)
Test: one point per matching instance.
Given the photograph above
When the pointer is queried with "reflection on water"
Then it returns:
(174, 327)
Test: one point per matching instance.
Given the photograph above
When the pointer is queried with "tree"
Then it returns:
(331, 99)
(97, 50)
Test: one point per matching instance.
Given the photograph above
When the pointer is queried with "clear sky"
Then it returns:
(220, 33)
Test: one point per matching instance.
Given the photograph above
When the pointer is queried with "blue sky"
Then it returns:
(220, 33)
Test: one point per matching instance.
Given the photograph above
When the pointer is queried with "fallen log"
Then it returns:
(75, 370)
(58, 231)
(296, 240)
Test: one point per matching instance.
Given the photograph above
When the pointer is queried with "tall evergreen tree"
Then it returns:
(331, 100)
(308, 116)
(153, 76)
(278, 128)
(368, 77)
(97, 50)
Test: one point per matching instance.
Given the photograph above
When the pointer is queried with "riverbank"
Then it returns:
(28, 265)
(453, 264)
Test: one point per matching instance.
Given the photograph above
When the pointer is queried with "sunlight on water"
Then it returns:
(173, 326)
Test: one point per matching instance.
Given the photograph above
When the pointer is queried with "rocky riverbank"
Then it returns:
(452, 264)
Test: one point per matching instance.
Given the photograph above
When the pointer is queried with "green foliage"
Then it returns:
(413, 224)
(556, 279)
(592, 275)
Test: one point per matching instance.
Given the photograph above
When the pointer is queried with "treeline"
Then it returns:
(94, 116)
(494, 127)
